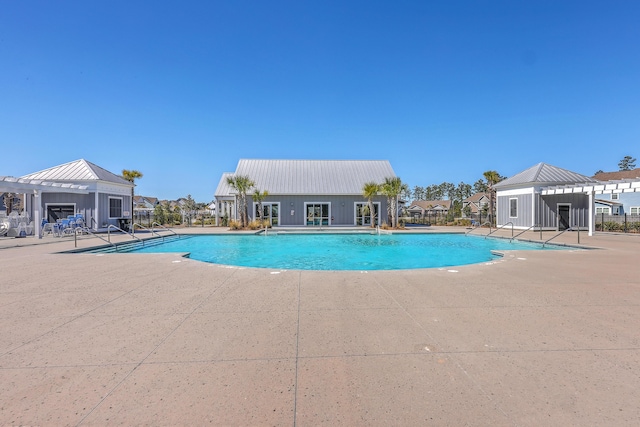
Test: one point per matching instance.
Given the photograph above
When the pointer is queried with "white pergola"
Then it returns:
(9, 184)
(591, 189)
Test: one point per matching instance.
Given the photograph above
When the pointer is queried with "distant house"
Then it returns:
(420, 209)
(144, 206)
(476, 204)
(308, 192)
(619, 201)
(529, 199)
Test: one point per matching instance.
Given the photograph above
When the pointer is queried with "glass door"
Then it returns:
(363, 218)
(318, 214)
(270, 211)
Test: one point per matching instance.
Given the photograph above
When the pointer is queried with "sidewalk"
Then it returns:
(537, 338)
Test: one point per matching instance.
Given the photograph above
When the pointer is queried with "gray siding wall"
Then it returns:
(547, 211)
(103, 206)
(342, 215)
(84, 203)
(524, 218)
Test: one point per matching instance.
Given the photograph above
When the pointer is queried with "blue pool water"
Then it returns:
(340, 251)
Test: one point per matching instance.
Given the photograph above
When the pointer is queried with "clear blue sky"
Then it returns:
(444, 90)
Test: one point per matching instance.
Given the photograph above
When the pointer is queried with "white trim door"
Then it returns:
(317, 213)
(563, 216)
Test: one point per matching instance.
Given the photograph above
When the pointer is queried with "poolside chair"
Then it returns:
(4, 226)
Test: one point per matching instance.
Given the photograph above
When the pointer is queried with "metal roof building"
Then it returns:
(77, 171)
(553, 198)
(309, 192)
(300, 177)
(78, 187)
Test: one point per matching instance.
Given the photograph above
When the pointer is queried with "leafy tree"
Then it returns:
(433, 192)
(627, 163)
(159, 214)
(405, 192)
(480, 186)
(258, 197)
(492, 178)
(598, 171)
(369, 191)
(418, 193)
(242, 184)
(392, 187)
(447, 189)
(189, 207)
(131, 176)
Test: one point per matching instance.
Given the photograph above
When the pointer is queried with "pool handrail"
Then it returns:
(525, 230)
(500, 228)
(562, 232)
(164, 228)
(135, 224)
(120, 229)
(479, 226)
(88, 231)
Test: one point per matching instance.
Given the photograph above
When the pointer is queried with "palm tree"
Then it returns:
(369, 191)
(492, 178)
(258, 197)
(242, 184)
(131, 176)
(392, 187)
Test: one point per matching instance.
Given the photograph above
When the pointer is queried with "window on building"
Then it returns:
(615, 196)
(604, 210)
(635, 210)
(115, 207)
(513, 208)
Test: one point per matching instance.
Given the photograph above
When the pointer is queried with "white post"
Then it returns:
(591, 213)
(36, 214)
(96, 210)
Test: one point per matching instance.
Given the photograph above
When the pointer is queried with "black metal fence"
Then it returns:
(618, 223)
(443, 218)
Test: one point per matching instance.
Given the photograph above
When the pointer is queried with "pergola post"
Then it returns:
(37, 206)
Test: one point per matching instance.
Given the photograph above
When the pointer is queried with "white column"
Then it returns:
(37, 207)
(591, 213)
(96, 210)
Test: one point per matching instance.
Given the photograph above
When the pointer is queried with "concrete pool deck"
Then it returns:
(536, 338)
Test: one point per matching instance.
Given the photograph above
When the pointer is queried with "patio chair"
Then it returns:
(4, 226)
(65, 228)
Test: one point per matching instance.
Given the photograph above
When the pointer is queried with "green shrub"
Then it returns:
(612, 226)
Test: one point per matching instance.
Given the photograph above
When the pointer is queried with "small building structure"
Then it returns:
(521, 200)
(78, 187)
(475, 205)
(143, 208)
(557, 199)
(427, 209)
(307, 192)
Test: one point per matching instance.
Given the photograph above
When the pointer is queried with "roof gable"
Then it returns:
(79, 170)
(431, 204)
(543, 173)
(477, 197)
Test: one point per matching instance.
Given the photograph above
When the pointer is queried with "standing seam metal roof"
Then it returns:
(224, 189)
(79, 170)
(327, 177)
(543, 173)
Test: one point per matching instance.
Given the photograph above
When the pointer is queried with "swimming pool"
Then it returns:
(340, 251)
